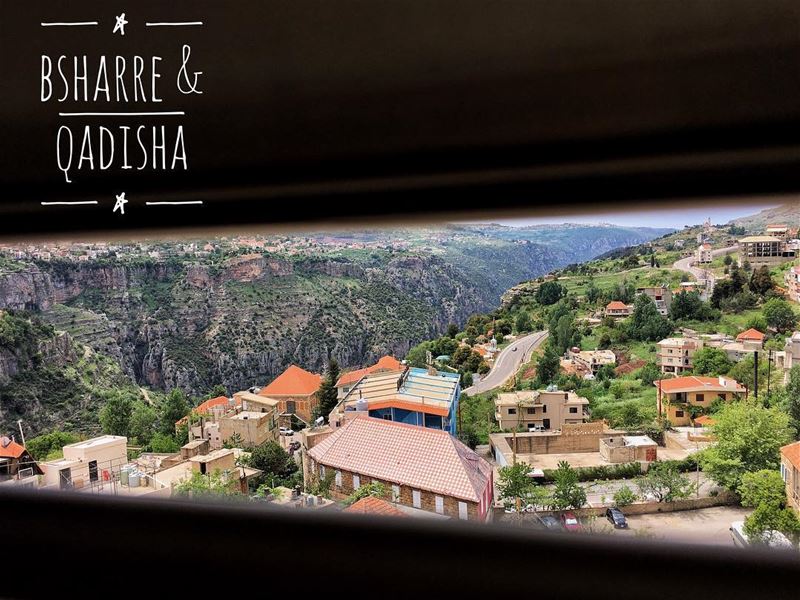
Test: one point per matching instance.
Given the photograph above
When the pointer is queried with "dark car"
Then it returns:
(616, 518)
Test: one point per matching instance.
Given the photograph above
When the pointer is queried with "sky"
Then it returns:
(675, 218)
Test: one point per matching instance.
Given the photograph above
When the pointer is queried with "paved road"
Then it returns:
(687, 266)
(508, 361)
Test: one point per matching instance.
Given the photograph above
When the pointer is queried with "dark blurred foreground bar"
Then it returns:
(60, 545)
(320, 109)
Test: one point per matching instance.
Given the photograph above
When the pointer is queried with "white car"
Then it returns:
(286, 431)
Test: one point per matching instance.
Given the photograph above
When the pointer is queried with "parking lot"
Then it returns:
(703, 526)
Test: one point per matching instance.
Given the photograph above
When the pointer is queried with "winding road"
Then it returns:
(687, 266)
(508, 361)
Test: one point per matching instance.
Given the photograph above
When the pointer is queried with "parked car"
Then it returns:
(550, 522)
(286, 431)
(616, 518)
(570, 522)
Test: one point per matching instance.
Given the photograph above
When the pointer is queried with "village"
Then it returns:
(392, 438)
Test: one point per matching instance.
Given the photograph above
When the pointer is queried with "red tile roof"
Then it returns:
(422, 458)
(386, 363)
(792, 454)
(750, 334)
(705, 420)
(207, 406)
(374, 506)
(616, 305)
(294, 381)
(695, 383)
(10, 450)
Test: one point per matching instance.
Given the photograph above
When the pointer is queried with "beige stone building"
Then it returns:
(628, 448)
(676, 395)
(760, 250)
(790, 473)
(253, 428)
(674, 355)
(419, 467)
(539, 410)
(661, 297)
(86, 463)
(590, 361)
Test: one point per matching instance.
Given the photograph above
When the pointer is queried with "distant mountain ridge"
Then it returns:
(788, 214)
(239, 318)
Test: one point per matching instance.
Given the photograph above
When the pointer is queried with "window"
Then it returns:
(440, 505)
(416, 499)
(93, 470)
(322, 471)
(356, 482)
(700, 397)
(531, 411)
(512, 411)
(462, 511)
(544, 408)
(573, 410)
(722, 396)
(395, 493)
(678, 413)
(338, 479)
(783, 472)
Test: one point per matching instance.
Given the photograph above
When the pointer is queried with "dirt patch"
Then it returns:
(630, 367)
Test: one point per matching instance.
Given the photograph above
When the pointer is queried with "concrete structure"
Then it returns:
(618, 310)
(791, 352)
(386, 364)
(223, 462)
(210, 410)
(252, 427)
(746, 343)
(579, 444)
(674, 355)
(427, 398)
(760, 250)
(660, 295)
(790, 473)
(792, 281)
(675, 396)
(778, 230)
(590, 361)
(87, 463)
(628, 448)
(539, 410)
(704, 254)
(419, 467)
(296, 392)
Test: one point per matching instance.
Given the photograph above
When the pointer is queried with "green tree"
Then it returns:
(742, 371)
(548, 365)
(757, 322)
(646, 324)
(143, 422)
(665, 483)
(234, 441)
(762, 487)
(49, 444)
(549, 293)
(689, 306)
(162, 443)
(711, 361)
(779, 314)
(523, 322)
(749, 438)
(624, 496)
(211, 486)
(468, 436)
(373, 488)
(792, 392)
(274, 462)
(173, 409)
(761, 281)
(514, 481)
(649, 373)
(766, 519)
(115, 416)
(327, 394)
(452, 330)
(567, 492)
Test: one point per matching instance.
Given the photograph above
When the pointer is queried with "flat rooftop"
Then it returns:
(413, 385)
(98, 441)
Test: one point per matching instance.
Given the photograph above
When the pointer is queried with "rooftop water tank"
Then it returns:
(133, 479)
(362, 405)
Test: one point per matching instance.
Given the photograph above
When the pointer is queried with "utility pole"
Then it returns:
(755, 374)
(21, 433)
(769, 371)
